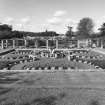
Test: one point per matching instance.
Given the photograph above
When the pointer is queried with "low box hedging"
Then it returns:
(64, 63)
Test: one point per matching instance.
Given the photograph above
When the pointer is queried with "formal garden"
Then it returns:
(47, 68)
(58, 60)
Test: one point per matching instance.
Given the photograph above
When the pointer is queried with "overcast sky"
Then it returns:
(38, 15)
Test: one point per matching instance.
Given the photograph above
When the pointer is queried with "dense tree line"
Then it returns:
(102, 30)
(85, 28)
(6, 32)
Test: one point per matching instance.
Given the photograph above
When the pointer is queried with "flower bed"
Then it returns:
(64, 63)
(79, 60)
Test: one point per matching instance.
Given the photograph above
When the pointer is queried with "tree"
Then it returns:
(102, 29)
(5, 34)
(17, 34)
(85, 26)
(69, 33)
(5, 27)
(5, 31)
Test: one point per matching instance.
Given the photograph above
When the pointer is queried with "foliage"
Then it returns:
(5, 31)
(5, 27)
(6, 52)
(85, 26)
(102, 29)
(61, 62)
(69, 33)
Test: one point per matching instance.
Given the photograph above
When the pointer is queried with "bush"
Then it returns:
(94, 102)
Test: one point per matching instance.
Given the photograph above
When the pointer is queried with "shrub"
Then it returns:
(94, 102)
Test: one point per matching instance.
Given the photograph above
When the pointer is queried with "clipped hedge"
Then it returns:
(6, 52)
(50, 62)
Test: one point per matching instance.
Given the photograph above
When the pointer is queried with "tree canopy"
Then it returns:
(6, 32)
(85, 27)
(5, 27)
(102, 30)
(69, 33)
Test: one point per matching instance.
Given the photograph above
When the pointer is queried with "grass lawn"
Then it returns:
(52, 88)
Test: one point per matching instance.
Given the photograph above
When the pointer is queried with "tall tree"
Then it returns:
(5, 31)
(85, 26)
(102, 29)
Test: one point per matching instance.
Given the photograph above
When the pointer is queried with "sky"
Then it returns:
(53, 15)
